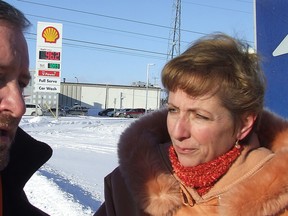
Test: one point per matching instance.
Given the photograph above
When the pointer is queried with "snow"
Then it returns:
(84, 152)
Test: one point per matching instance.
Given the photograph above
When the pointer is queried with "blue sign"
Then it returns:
(272, 45)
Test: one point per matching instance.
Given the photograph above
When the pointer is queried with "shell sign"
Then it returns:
(50, 34)
(48, 57)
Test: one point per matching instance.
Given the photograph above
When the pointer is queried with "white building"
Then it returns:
(96, 96)
(102, 96)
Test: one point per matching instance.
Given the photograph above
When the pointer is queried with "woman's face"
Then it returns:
(201, 129)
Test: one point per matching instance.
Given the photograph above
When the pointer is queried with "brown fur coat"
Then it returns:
(256, 185)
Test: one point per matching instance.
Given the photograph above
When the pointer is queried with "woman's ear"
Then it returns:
(247, 121)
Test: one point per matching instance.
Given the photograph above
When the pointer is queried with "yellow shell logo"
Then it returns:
(50, 34)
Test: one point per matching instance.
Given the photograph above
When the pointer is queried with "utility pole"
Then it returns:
(175, 33)
(174, 40)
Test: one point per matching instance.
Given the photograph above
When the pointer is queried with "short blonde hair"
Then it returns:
(221, 65)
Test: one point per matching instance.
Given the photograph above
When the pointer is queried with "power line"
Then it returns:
(110, 17)
(216, 7)
(110, 29)
(95, 14)
(107, 47)
(129, 20)
(99, 27)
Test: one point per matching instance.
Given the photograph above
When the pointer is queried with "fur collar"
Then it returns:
(157, 192)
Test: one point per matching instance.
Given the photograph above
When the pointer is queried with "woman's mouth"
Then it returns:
(184, 150)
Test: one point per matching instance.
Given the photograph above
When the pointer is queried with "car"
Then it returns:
(120, 113)
(31, 110)
(134, 113)
(112, 113)
(65, 108)
(105, 111)
(77, 110)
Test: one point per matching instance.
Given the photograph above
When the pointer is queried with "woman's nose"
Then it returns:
(181, 128)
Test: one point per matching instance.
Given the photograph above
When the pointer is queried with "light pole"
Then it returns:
(76, 90)
(147, 84)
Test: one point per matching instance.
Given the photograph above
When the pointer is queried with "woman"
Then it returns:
(204, 155)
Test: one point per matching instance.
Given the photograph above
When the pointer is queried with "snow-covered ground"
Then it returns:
(84, 152)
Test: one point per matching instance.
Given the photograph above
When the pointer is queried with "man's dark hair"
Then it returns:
(13, 16)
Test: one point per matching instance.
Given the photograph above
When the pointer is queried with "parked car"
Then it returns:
(112, 113)
(105, 111)
(77, 110)
(120, 113)
(31, 110)
(65, 108)
(134, 113)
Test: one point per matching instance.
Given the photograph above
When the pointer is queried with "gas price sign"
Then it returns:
(54, 65)
(49, 55)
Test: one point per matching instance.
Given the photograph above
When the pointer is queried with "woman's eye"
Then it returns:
(200, 116)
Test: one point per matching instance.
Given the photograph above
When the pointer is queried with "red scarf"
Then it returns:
(203, 176)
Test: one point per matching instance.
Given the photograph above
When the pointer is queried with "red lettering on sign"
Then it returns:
(48, 73)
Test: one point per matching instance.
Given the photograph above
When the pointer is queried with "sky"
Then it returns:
(84, 151)
(112, 42)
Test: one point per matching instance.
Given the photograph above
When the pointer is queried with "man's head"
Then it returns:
(14, 75)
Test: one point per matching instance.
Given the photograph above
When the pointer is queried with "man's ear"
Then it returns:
(247, 122)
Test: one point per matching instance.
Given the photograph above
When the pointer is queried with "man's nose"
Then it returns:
(11, 100)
